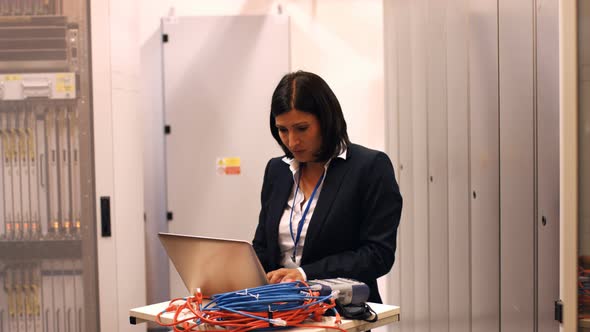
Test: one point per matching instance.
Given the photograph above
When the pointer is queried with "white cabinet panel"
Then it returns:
(437, 124)
(547, 221)
(219, 76)
(418, 12)
(484, 165)
(517, 168)
(458, 166)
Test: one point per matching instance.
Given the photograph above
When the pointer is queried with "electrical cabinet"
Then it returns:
(475, 95)
(217, 96)
(47, 219)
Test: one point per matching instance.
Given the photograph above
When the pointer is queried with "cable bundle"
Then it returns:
(276, 305)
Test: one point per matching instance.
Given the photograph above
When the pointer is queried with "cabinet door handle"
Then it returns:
(105, 216)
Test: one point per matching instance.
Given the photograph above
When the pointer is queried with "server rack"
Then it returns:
(47, 233)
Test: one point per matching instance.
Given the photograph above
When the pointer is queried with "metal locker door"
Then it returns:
(484, 165)
(400, 129)
(458, 166)
(219, 76)
(547, 219)
(392, 142)
(419, 80)
(517, 173)
(406, 142)
(437, 123)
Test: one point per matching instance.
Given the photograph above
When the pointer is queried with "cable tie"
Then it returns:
(270, 319)
(278, 322)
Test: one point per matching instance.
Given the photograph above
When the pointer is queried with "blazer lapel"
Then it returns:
(334, 178)
(282, 185)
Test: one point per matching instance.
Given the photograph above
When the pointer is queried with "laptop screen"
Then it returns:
(212, 264)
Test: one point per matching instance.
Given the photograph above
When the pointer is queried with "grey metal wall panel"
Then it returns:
(217, 97)
(437, 166)
(393, 146)
(484, 165)
(404, 90)
(547, 162)
(517, 171)
(458, 164)
(487, 155)
(419, 19)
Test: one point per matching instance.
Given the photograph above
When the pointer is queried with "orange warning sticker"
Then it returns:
(229, 166)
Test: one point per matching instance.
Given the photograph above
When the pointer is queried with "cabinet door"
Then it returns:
(418, 12)
(547, 218)
(219, 76)
(400, 142)
(437, 124)
(517, 170)
(484, 165)
(458, 164)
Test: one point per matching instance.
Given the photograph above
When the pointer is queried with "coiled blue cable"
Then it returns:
(269, 298)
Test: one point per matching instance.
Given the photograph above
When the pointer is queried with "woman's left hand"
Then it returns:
(283, 275)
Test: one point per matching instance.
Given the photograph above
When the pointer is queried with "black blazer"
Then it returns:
(353, 230)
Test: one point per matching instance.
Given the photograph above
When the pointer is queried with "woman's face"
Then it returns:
(300, 133)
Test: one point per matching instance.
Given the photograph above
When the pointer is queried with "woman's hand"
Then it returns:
(283, 275)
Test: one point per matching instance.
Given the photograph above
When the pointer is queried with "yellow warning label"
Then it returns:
(12, 78)
(229, 166)
(232, 161)
(64, 82)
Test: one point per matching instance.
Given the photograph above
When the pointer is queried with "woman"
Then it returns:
(330, 208)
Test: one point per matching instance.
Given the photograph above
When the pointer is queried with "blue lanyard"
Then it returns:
(302, 221)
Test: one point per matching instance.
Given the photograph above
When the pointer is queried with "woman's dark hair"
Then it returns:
(307, 92)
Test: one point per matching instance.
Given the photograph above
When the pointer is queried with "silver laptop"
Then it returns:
(212, 264)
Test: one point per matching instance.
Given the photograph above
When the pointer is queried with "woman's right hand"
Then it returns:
(284, 275)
